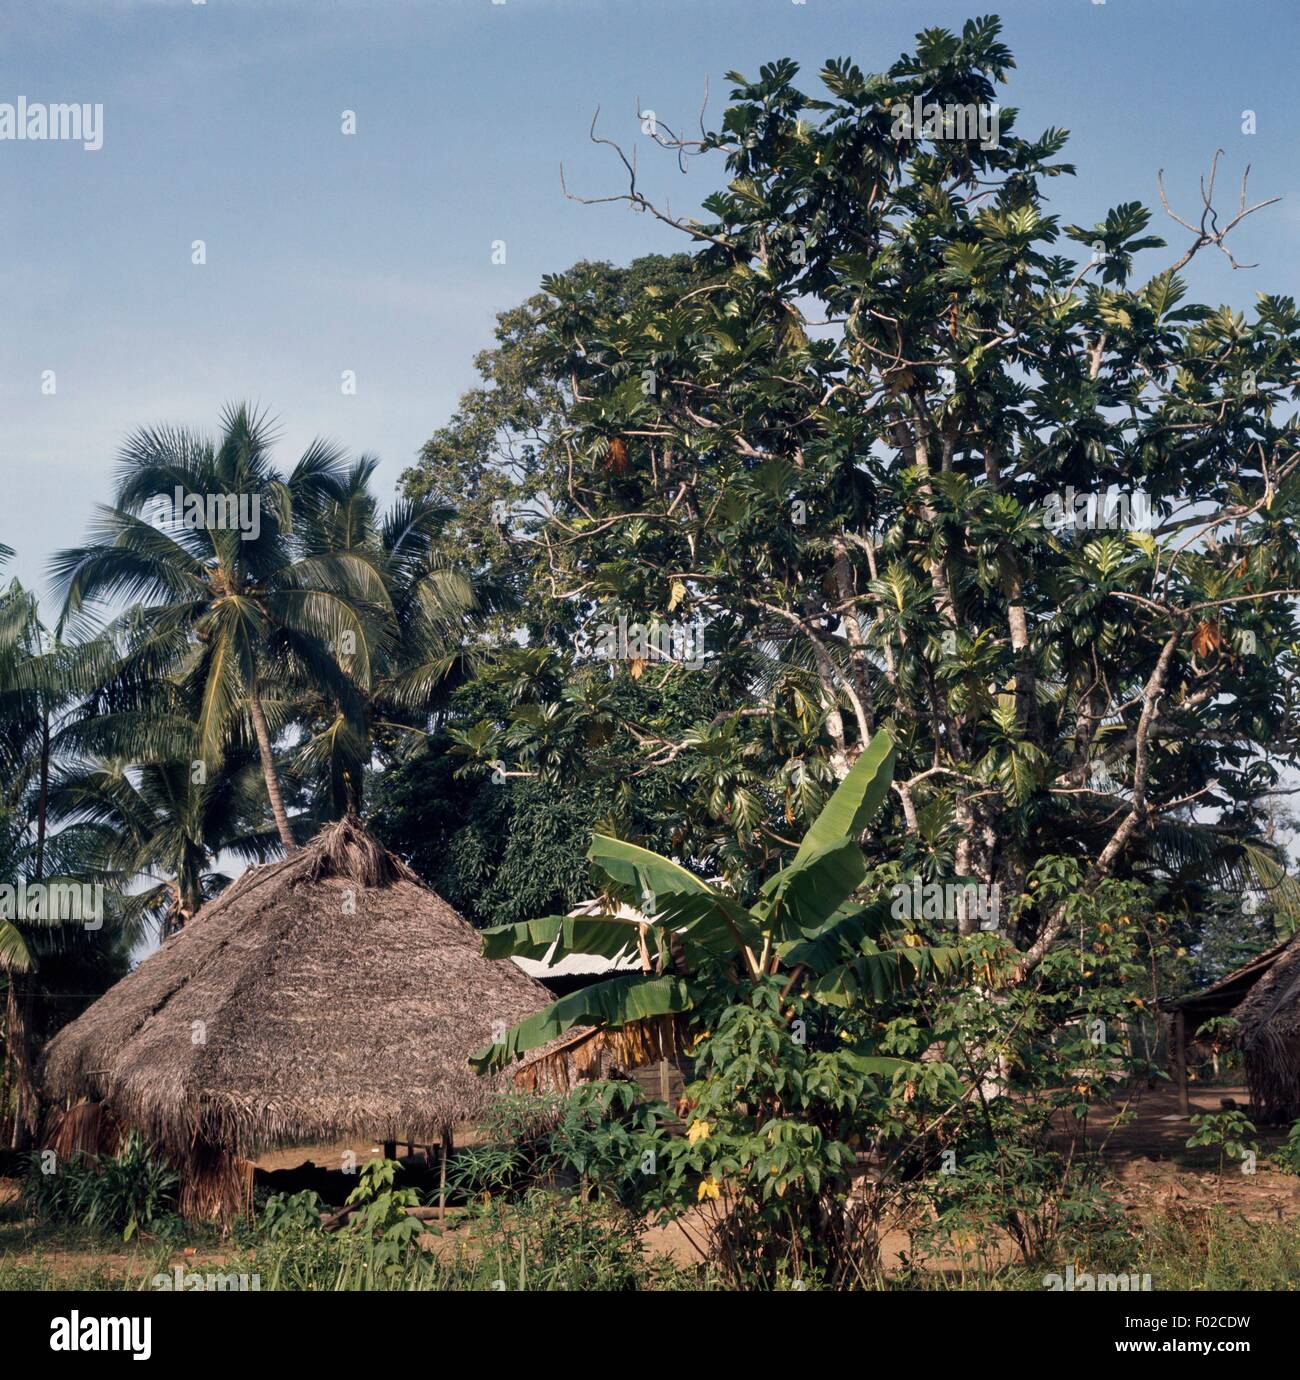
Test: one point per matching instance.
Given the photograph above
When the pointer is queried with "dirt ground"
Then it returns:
(1149, 1160)
(115, 1262)
(1145, 1147)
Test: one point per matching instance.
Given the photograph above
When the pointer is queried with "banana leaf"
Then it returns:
(615, 1002)
(883, 972)
(838, 939)
(807, 894)
(681, 899)
(605, 936)
(857, 798)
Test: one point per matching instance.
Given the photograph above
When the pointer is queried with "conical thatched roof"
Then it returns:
(1269, 1036)
(327, 995)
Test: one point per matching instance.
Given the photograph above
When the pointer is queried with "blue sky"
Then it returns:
(373, 252)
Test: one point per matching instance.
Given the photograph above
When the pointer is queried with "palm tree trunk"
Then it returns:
(18, 1034)
(268, 770)
(43, 804)
(20, 1006)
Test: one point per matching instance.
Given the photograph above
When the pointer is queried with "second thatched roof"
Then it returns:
(1268, 1032)
(328, 995)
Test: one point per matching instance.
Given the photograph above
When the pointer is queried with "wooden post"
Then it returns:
(442, 1176)
(390, 1149)
(1180, 1062)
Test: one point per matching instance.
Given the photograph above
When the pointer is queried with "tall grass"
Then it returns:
(547, 1242)
(1182, 1251)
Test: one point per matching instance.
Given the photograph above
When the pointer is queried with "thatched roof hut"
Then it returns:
(328, 995)
(1268, 1032)
(1224, 996)
(1221, 998)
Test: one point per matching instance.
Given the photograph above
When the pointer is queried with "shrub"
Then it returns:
(609, 1135)
(127, 1192)
(1229, 1132)
(1288, 1153)
(559, 1241)
(382, 1219)
(290, 1214)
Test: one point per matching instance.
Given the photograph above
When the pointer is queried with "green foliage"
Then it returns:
(486, 1169)
(857, 515)
(1001, 1187)
(126, 1193)
(314, 610)
(854, 805)
(263, 608)
(779, 1104)
(1288, 1154)
(548, 1241)
(709, 928)
(1229, 930)
(505, 850)
(382, 1220)
(614, 1003)
(290, 1214)
(609, 1135)
(1216, 1250)
(42, 680)
(511, 1233)
(513, 1149)
(1229, 1132)
(790, 1071)
(541, 1241)
(156, 821)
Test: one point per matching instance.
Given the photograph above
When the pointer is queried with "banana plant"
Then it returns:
(806, 921)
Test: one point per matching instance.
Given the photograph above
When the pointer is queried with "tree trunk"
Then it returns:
(18, 1036)
(20, 1006)
(1180, 1062)
(268, 770)
(43, 804)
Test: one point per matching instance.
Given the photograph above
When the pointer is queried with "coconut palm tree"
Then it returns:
(19, 719)
(38, 688)
(170, 824)
(226, 601)
(439, 609)
(25, 710)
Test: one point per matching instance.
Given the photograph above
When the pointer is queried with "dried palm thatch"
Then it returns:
(215, 1185)
(588, 1053)
(328, 995)
(86, 1128)
(1269, 1035)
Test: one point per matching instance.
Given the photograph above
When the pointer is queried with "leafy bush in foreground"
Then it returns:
(127, 1192)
